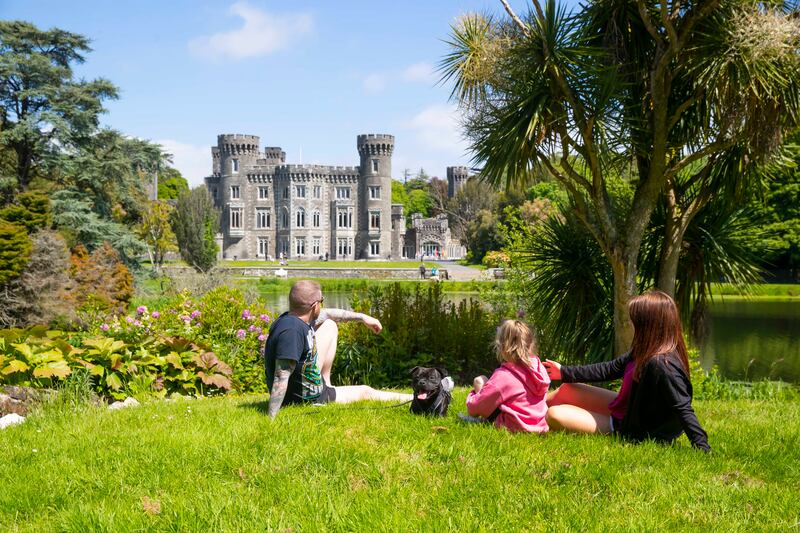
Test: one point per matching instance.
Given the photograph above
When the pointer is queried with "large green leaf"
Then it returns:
(58, 369)
(15, 366)
(113, 381)
(24, 349)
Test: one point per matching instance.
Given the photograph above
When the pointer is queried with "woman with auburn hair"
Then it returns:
(655, 400)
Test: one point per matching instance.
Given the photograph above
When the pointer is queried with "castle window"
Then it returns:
(235, 192)
(344, 247)
(300, 191)
(315, 246)
(374, 248)
(374, 220)
(263, 246)
(263, 218)
(375, 192)
(234, 166)
(214, 193)
(315, 219)
(286, 193)
(236, 218)
(300, 218)
(263, 193)
(284, 219)
(317, 191)
(374, 166)
(342, 193)
(344, 218)
(300, 246)
(285, 246)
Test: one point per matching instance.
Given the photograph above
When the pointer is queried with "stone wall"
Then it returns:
(311, 272)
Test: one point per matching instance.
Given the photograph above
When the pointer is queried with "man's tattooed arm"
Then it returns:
(283, 369)
(340, 315)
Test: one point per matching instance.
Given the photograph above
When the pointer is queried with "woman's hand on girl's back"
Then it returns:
(553, 369)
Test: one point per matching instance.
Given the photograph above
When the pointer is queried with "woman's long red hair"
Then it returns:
(656, 329)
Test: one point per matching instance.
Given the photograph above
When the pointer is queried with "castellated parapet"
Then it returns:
(456, 178)
(270, 208)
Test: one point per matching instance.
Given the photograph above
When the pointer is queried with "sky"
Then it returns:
(308, 76)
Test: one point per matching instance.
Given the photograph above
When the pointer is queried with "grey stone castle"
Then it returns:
(270, 208)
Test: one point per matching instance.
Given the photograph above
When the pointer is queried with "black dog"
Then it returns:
(432, 388)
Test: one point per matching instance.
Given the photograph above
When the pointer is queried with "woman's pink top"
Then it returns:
(518, 391)
(619, 405)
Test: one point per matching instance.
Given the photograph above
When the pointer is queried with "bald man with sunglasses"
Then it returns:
(300, 350)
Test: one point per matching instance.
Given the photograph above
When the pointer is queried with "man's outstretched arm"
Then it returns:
(283, 369)
(341, 315)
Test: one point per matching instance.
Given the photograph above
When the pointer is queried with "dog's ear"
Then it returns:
(415, 371)
(444, 373)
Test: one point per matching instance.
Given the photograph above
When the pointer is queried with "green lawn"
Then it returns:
(222, 465)
(771, 291)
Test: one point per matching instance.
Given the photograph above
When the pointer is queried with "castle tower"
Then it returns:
(456, 178)
(274, 155)
(237, 152)
(374, 238)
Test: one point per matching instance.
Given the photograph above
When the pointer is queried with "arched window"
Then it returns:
(285, 219)
(300, 218)
(315, 218)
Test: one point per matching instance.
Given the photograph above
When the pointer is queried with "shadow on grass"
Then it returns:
(260, 406)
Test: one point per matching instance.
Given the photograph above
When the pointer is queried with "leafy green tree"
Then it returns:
(399, 194)
(15, 250)
(419, 201)
(156, 232)
(171, 184)
(195, 222)
(44, 110)
(74, 216)
(680, 97)
(30, 209)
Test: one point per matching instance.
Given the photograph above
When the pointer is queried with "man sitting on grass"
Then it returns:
(300, 350)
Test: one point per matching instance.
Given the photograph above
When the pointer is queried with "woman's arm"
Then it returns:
(606, 371)
(674, 386)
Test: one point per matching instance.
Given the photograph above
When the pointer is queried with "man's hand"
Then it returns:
(283, 369)
(372, 323)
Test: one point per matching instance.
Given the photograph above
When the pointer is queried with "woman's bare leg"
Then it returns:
(577, 420)
(587, 397)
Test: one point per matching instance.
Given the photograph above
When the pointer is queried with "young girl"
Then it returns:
(655, 400)
(514, 397)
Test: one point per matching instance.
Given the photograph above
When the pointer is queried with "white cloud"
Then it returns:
(419, 73)
(262, 33)
(375, 83)
(438, 127)
(194, 162)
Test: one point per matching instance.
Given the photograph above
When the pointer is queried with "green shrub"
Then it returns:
(15, 250)
(419, 329)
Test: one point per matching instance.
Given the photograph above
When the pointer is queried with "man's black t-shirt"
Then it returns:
(291, 338)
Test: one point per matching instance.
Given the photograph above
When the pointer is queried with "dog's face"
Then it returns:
(426, 381)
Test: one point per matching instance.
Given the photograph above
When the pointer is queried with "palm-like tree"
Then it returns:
(662, 92)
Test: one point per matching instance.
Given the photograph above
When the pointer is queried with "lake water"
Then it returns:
(750, 339)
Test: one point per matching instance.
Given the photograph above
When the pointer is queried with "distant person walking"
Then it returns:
(422, 271)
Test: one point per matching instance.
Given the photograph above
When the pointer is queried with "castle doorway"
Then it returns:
(431, 248)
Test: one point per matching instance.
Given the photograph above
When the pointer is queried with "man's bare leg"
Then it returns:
(356, 393)
(327, 336)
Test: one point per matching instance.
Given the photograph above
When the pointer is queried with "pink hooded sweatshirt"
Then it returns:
(519, 392)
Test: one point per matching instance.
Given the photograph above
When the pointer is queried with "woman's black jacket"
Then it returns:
(660, 402)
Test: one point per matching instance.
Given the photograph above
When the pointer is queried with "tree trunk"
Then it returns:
(624, 290)
(670, 256)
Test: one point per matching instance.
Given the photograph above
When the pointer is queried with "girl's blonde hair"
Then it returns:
(515, 342)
